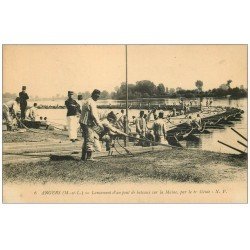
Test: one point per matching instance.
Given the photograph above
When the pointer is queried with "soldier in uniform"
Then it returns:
(10, 109)
(31, 113)
(108, 133)
(73, 110)
(159, 128)
(141, 125)
(122, 120)
(88, 120)
(23, 101)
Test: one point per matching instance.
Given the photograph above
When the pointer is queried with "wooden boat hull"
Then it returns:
(34, 124)
(214, 126)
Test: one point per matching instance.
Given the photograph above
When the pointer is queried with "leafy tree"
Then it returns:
(85, 94)
(104, 94)
(161, 89)
(199, 85)
(146, 86)
(228, 83)
(171, 90)
(113, 95)
(178, 89)
(147, 89)
(224, 86)
(9, 95)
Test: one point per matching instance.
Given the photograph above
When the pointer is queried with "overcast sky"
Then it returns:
(48, 70)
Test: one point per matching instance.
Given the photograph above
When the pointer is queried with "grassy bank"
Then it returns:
(170, 165)
(37, 136)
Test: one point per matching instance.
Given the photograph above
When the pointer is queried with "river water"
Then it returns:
(204, 141)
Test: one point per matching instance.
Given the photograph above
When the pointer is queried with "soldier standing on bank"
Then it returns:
(88, 120)
(23, 101)
(73, 110)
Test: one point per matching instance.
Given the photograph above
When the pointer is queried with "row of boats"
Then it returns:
(180, 128)
(210, 120)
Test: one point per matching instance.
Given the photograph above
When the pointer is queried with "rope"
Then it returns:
(116, 149)
(39, 132)
(128, 152)
(31, 130)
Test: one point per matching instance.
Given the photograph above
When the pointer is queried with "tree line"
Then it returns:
(148, 89)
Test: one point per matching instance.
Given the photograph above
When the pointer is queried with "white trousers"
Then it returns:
(73, 123)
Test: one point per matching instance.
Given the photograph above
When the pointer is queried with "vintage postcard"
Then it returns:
(124, 123)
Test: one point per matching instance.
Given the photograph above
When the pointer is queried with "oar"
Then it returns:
(239, 134)
(242, 144)
(236, 149)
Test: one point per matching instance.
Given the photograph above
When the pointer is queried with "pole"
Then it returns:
(239, 134)
(242, 144)
(126, 125)
(242, 152)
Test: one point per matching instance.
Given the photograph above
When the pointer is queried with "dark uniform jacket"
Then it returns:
(23, 99)
(73, 107)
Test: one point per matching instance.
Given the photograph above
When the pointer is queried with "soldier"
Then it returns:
(109, 132)
(79, 101)
(141, 128)
(10, 109)
(23, 101)
(159, 128)
(152, 115)
(73, 109)
(141, 125)
(88, 120)
(31, 113)
(122, 120)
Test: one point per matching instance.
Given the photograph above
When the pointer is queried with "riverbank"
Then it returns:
(29, 175)
(36, 136)
(156, 166)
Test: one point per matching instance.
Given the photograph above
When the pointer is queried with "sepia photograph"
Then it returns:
(124, 123)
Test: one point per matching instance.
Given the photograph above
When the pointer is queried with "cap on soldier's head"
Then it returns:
(96, 91)
(161, 114)
(23, 87)
(141, 112)
(111, 115)
(70, 92)
(80, 97)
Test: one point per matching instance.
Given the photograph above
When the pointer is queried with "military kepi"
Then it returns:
(23, 87)
(70, 92)
(80, 97)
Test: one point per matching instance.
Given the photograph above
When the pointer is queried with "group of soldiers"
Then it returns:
(150, 127)
(16, 112)
(93, 129)
(11, 108)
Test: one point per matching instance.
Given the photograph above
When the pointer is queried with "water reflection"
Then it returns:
(194, 142)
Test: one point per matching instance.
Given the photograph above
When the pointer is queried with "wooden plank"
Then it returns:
(16, 158)
(40, 144)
